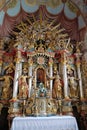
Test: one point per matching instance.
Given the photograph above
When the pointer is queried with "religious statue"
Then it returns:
(57, 87)
(7, 82)
(41, 47)
(72, 81)
(10, 69)
(23, 84)
(42, 90)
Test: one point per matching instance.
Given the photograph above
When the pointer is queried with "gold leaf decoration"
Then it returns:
(72, 7)
(54, 3)
(2, 3)
(31, 2)
(12, 4)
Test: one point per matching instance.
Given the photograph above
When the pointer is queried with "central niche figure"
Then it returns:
(42, 90)
(40, 76)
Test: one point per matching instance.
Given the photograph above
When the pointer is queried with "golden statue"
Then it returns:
(72, 81)
(57, 87)
(23, 84)
(7, 82)
(6, 91)
(10, 69)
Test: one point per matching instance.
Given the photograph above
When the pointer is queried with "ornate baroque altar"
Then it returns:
(41, 73)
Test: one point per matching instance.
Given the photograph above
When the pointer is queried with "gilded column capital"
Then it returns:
(30, 61)
(78, 60)
(18, 60)
(50, 61)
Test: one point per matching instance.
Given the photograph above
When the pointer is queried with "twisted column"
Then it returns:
(51, 74)
(30, 74)
(64, 71)
(18, 72)
(78, 64)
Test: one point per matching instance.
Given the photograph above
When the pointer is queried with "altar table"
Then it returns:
(44, 123)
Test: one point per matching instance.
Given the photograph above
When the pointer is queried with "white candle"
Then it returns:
(79, 74)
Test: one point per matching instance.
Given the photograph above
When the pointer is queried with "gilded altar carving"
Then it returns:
(43, 76)
(7, 90)
(23, 84)
(73, 83)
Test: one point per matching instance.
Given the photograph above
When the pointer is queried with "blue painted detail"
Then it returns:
(69, 13)
(81, 23)
(56, 10)
(14, 11)
(29, 8)
(2, 13)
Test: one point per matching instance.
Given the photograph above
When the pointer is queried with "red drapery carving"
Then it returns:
(71, 26)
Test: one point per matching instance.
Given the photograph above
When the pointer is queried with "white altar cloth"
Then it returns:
(44, 123)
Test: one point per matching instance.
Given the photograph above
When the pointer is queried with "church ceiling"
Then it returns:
(13, 11)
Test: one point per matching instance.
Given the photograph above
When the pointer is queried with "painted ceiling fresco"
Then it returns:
(64, 11)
